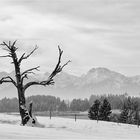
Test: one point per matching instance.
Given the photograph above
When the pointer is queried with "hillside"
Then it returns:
(95, 81)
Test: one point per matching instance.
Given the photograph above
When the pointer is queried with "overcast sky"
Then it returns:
(92, 33)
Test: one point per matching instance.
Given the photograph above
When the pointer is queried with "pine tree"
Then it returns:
(124, 114)
(129, 112)
(105, 110)
(93, 112)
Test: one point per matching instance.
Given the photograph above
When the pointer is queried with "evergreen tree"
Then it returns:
(124, 114)
(93, 112)
(105, 110)
(129, 111)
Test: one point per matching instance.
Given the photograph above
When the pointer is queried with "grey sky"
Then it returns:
(92, 33)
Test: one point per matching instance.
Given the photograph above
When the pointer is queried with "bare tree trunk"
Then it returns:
(22, 107)
(30, 108)
(26, 116)
(24, 113)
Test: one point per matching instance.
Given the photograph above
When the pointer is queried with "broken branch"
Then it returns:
(7, 79)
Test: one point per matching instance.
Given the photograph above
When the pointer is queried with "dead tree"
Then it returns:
(26, 115)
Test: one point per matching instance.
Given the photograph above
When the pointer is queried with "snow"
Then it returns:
(66, 129)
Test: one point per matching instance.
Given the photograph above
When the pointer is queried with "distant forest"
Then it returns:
(52, 103)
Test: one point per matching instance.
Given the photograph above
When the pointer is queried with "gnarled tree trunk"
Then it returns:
(26, 115)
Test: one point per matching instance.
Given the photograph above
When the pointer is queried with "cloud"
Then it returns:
(91, 33)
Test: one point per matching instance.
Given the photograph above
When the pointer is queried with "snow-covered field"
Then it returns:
(66, 129)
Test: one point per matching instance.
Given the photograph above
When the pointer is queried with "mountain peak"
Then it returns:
(99, 69)
(98, 80)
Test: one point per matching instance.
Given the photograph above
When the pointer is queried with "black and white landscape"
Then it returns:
(70, 69)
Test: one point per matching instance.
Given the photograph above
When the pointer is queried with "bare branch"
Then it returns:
(6, 56)
(30, 70)
(21, 58)
(58, 67)
(6, 49)
(23, 77)
(13, 43)
(13, 48)
(7, 79)
(5, 44)
(50, 80)
(65, 64)
(9, 43)
(25, 57)
(31, 52)
(43, 83)
(10, 48)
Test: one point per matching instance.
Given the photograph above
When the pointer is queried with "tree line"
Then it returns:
(116, 101)
(47, 103)
(98, 107)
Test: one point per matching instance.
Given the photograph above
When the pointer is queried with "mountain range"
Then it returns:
(96, 81)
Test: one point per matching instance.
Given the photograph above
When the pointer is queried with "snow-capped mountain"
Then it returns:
(95, 81)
